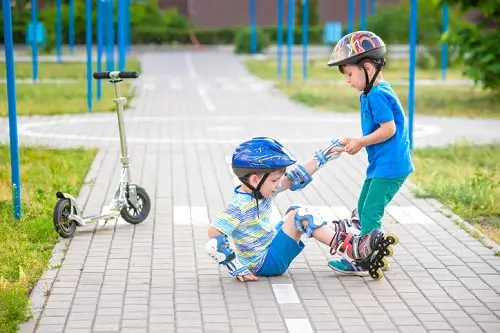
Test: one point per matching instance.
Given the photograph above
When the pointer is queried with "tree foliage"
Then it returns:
(480, 44)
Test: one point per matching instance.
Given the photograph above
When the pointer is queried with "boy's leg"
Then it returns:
(380, 193)
(362, 196)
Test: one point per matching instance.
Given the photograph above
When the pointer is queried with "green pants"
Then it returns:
(375, 196)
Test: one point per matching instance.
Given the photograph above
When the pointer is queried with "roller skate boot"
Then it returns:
(362, 255)
(350, 225)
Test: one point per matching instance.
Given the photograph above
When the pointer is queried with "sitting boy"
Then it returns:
(266, 250)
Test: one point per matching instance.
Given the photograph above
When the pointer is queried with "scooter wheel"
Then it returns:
(64, 227)
(136, 215)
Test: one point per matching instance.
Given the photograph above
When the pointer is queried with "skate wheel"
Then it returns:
(376, 274)
(383, 263)
(388, 251)
(391, 238)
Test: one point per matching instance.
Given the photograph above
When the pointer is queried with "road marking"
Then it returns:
(285, 293)
(409, 215)
(204, 97)
(190, 66)
(37, 128)
(187, 215)
(298, 325)
(224, 128)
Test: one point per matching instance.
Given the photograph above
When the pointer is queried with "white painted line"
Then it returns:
(229, 86)
(149, 86)
(298, 325)
(190, 66)
(199, 215)
(27, 129)
(285, 293)
(409, 215)
(224, 128)
(182, 215)
(257, 87)
(204, 97)
(187, 215)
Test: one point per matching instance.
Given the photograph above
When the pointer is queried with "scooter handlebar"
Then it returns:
(115, 75)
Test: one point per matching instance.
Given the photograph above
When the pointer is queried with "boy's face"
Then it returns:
(355, 76)
(271, 184)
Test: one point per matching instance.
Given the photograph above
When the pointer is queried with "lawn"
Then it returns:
(318, 70)
(53, 99)
(61, 98)
(65, 70)
(27, 244)
(430, 100)
(325, 90)
(466, 179)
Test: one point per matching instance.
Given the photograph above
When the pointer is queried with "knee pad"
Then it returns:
(313, 217)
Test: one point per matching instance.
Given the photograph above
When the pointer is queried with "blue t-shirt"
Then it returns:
(391, 158)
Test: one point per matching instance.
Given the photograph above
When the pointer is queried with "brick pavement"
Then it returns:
(190, 111)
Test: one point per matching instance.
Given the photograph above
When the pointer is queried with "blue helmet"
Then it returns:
(260, 154)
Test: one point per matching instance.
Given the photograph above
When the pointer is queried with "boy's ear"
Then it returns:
(253, 179)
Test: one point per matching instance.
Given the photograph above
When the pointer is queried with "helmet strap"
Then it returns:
(256, 191)
(369, 83)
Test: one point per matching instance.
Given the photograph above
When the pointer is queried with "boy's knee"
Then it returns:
(305, 219)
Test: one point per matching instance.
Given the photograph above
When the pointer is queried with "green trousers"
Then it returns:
(375, 195)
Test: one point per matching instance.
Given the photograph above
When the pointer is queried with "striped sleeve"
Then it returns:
(228, 220)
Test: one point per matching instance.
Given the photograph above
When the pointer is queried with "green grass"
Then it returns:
(318, 70)
(27, 244)
(455, 101)
(466, 179)
(326, 91)
(65, 70)
(54, 99)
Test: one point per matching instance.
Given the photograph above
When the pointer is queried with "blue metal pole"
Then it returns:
(444, 45)
(290, 41)
(110, 34)
(88, 38)
(59, 30)
(129, 38)
(373, 3)
(350, 16)
(280, 35)
(71, 36)
(413, 53)
(11, 101)
(34, 39)
(253, 31)
(305, 28)
(100, 35)
(363, 15)
(121, 34)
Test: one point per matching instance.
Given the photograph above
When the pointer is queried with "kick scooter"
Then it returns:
(130, 200)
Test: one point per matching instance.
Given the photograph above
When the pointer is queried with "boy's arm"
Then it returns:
(301, 175)
(381, 134)
(219, 249)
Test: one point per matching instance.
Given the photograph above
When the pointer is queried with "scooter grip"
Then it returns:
(128, 75)
(101, 75)
(116, 74)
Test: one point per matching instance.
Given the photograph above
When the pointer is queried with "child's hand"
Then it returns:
(337, 150)
(247, 277)
(345, 141)
(353, 146)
